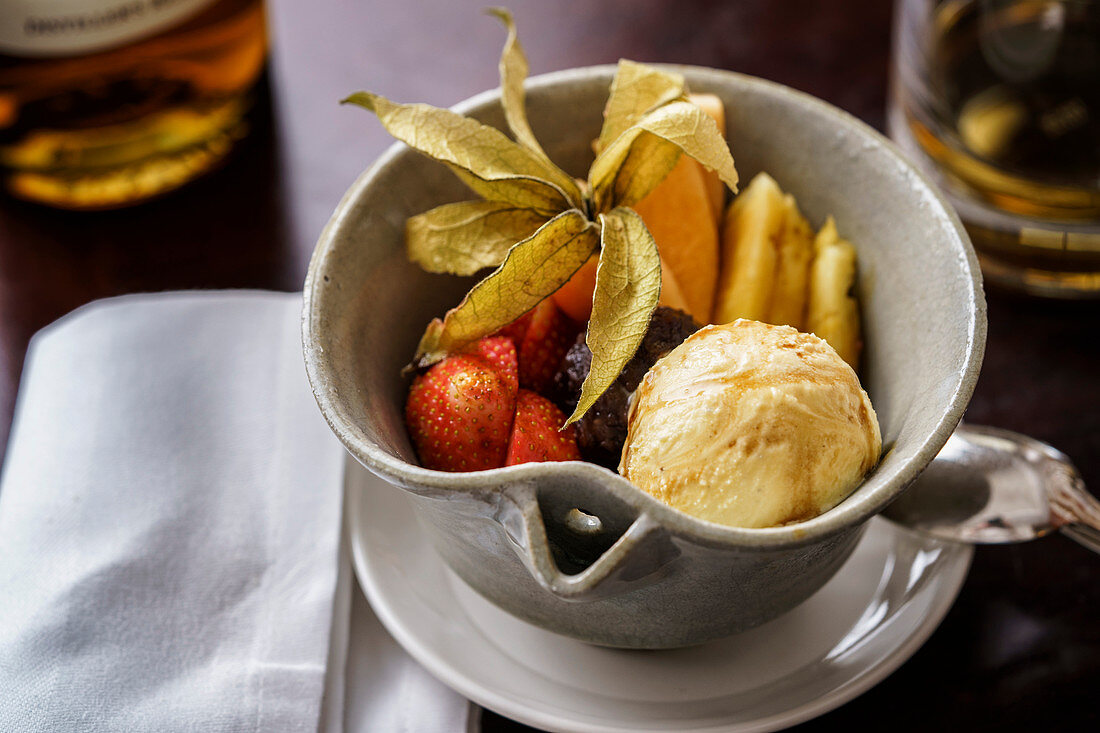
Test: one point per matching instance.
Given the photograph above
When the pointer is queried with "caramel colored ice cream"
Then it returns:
(751, 425)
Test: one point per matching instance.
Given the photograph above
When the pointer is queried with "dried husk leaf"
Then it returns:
(636, 90)
(513, 72)
(462, 238)
(517, 190)
(484, 158)
(533, 269)
(680, 123)
(628, 286)
(648, 162)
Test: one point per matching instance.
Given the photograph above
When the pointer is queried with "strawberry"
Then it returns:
(517, 329)
(459, 414)
(542, 336)
(500, 351)
(536, 434)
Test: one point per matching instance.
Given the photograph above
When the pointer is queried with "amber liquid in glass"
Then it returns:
(1012, 120)
(122, 125)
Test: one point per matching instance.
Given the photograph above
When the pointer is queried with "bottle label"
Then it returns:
(71, 27)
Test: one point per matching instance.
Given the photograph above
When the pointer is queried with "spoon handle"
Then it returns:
(1083, 535)
(1077, 511)
(1072, 503)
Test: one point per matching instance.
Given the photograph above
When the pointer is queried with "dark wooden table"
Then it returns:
(1020, 650)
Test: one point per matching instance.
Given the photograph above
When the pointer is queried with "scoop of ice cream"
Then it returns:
(750, 425)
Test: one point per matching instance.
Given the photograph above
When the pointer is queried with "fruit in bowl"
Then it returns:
(570, 545)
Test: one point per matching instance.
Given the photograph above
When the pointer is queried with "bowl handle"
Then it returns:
(582, 544)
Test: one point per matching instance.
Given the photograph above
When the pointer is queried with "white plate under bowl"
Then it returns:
(869, 618)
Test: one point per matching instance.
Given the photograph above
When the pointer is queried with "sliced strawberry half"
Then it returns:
(517, 329)
(500, 351)
(459, 414)
(537, 434)
(542, 336)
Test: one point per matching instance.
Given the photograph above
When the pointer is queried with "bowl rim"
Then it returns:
(852, 512)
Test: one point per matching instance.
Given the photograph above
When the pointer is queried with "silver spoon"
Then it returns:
(992, 486)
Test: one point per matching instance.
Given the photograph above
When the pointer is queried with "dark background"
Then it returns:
(1020, 650)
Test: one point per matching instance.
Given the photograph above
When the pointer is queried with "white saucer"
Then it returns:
(872, 616)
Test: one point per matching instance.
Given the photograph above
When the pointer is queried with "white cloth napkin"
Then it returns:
(170, 519)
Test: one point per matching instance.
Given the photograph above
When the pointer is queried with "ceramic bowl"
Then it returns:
(573, 547)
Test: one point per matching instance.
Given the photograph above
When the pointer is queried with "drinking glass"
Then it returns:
(1000, 101)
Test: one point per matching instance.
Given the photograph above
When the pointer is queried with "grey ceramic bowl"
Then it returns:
(646, 575)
